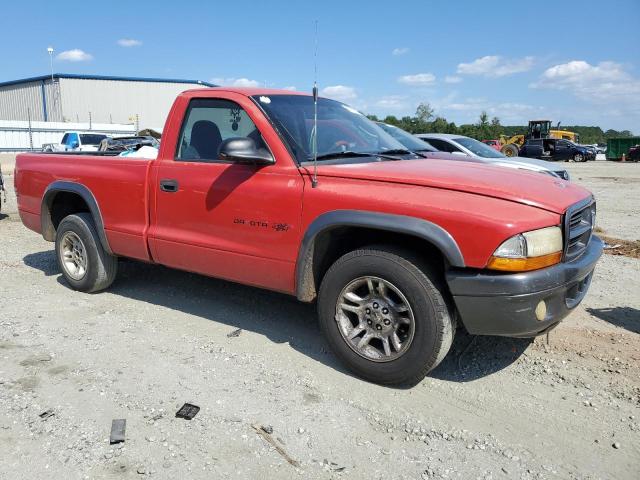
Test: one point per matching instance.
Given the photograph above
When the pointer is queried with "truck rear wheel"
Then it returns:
(385, 316)
(84, 263)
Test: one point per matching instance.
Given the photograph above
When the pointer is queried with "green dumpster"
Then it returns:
(618, 146)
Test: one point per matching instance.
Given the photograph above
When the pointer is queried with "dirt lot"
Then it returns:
(496, 408)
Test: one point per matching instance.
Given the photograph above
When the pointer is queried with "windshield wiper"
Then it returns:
(349, 153)
(394, 151)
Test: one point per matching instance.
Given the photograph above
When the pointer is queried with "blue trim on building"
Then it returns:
(105, 77)
(44, 101)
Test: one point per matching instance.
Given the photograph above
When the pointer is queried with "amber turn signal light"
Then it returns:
(523, 264)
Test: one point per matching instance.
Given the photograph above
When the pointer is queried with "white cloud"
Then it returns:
(607, 82)
(400, 51)
(245, 82)
(235, 82)
(129, 42)
(418, 80)
(452, 79)
(392, 102)
(339, 92)
(495, 66)
(75, 55)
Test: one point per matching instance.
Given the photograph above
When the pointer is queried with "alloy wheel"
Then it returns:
(375, 319)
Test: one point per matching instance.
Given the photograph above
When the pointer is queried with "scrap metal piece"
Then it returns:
(46, 414)
(187, 411)
(118, 427)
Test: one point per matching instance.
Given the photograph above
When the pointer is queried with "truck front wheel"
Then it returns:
(385, 316)
(84, 263)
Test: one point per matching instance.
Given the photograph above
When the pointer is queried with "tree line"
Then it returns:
(425, 121)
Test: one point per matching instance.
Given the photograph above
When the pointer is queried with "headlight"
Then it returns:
(528, 251)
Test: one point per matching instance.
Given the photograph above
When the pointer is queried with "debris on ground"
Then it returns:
(46, 414)
(118, 427)
(235, 333)
(267, 429)
(617, 246)
(260, 430)
(188, 411)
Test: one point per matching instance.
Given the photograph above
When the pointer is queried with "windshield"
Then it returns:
(405, 138)
(91, 138)
(340, 127)
(478, 148)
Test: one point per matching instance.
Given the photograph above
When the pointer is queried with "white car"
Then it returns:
(469, 147)
(76, 142)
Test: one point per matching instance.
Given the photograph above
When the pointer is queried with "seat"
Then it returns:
(205, 139)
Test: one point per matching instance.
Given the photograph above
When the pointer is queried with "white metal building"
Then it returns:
(92, 99)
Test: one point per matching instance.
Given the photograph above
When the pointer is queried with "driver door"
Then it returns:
(221, 218)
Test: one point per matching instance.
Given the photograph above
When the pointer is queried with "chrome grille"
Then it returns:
(578, 228)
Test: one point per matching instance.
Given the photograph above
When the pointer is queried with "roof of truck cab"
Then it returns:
(247, 91)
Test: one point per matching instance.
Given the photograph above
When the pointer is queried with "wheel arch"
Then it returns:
(308, 273)
(75, 198)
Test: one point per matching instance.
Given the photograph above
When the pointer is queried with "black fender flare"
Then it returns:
(417, 227)
(49, 231)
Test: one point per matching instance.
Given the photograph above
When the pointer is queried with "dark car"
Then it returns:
(634, 153)
(555, 149)
(416, 145)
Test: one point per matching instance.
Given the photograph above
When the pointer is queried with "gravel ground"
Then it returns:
(496, 408)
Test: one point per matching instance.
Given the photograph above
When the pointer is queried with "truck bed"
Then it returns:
(118, 184)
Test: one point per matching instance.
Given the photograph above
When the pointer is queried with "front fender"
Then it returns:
(423, 229)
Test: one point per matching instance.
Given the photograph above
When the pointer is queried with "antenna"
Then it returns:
(314, 179)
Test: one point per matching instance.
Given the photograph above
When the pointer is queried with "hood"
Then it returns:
(529, 188)
(530, 163)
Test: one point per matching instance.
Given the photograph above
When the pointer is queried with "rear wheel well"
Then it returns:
(64, 204)
(331, 244)
(58, 205)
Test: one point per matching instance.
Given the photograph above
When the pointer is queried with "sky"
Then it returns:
(577, 62)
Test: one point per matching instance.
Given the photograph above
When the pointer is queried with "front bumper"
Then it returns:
(505, 304)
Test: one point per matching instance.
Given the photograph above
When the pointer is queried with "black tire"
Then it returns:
(510, 150)
(434, 320)
(101, 267)
(578, 157)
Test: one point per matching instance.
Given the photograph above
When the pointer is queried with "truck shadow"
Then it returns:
(624, 317)
(279, 317)
(475, 356)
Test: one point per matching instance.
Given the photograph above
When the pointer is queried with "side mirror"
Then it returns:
(243, 150)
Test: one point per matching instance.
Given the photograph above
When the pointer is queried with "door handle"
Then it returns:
(170, 186)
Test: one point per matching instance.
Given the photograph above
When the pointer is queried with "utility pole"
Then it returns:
(30, 131)
(50, 50)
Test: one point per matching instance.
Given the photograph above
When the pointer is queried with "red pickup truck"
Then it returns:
(396, 249)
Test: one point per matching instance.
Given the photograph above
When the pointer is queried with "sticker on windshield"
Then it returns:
(264, 99)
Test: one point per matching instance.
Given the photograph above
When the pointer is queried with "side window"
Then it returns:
(73, 138)
(207, 123)
(65, 137)
(442, 145)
